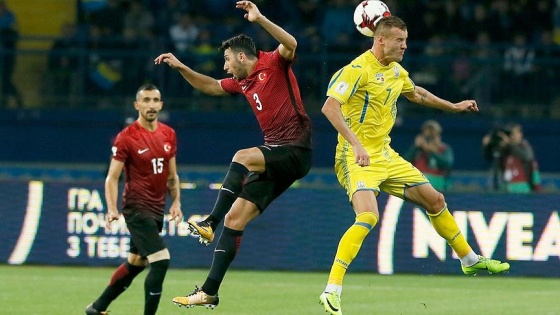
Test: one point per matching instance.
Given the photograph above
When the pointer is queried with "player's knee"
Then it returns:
(161, 264)
(251, 158)
(235, 221)
(231, 219)
(241, 213)
(159, 256)
(242, 156)
(368, 219)
(437, 204)
(136, 260)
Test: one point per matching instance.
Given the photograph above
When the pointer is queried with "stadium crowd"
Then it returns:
(496, 51)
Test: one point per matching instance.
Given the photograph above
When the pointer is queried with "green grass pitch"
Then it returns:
(45, 290)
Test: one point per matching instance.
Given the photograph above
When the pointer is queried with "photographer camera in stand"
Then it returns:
(431, 156)
(514, 166)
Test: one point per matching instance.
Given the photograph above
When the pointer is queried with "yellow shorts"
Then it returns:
(389, 175)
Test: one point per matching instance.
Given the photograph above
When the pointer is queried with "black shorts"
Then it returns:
(144, 232)
(284, 165)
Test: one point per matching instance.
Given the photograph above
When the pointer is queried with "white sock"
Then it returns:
(470, 259)
(334, 287)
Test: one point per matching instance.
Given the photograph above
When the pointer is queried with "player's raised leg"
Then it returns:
(231, 187)
(445, 225)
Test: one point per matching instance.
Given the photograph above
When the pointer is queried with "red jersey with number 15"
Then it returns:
(146, 156)
(273, 92)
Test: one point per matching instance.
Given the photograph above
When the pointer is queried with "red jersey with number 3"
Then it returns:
(273, 93)
(146, 156)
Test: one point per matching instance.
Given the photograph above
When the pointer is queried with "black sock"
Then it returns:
(231, 187)
(225, 252)
(120, 281)
(153, 285)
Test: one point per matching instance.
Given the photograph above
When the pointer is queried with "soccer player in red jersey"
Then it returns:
(257, 175)
(146, 151)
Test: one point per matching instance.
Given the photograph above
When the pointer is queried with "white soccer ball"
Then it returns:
(367, 14)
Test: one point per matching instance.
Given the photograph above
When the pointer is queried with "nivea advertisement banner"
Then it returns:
(58, 223)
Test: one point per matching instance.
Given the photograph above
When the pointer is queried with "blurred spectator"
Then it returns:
(556, 23)
(500, 13)
(310, 12)
(491, 151)
(183, 34)
(481, 84)
(519, 62)
(479, 22)
(134, 58)
(8, 41)
(431, 155)
(337, 28)
(454, 25)
(139, 19)
(423, 20)
(61, 79)
(205, 55)
(442, 34)
(515, 167)
(547, 60)
(431, 70)
(542, 15)
(461, 71)
(168, 16)
(105, 68)
(109, 19)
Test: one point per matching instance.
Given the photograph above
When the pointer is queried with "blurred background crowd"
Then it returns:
(503, 53)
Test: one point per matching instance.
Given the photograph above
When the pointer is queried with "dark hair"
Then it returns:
(389, 22)
(146, 87)
(240, 43)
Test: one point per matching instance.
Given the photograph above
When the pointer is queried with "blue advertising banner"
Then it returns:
(62, 223)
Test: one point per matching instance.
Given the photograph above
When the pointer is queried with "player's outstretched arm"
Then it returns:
(424, 97)
(288, 43)
(198, 81)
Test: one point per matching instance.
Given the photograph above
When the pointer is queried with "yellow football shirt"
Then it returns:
(368, 92)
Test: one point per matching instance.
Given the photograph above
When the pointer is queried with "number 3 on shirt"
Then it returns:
(258, 101)
(157, 165)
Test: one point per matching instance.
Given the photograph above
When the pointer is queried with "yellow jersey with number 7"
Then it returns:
(368, 92)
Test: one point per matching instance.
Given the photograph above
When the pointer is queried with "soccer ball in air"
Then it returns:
(367, 14)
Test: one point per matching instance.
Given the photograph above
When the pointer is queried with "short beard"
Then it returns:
(149, 119)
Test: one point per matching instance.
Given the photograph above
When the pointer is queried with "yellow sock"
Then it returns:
(350, 244)
(446, 226)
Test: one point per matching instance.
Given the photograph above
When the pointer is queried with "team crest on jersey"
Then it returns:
(167, 147)
(262, 76)
(379, 78)
(361, 185)
(397, 71)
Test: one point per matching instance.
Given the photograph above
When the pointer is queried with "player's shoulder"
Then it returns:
(268, 59)
(363, 64)
(129, 131)
(361, 61)
(166, 129)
